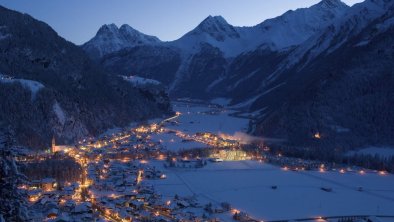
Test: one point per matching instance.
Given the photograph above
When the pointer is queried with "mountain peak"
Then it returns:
(217, 19)
(110, 38)
(128, 28)
(329, 4)
(108, 28)
(217, 27)
(211, 22)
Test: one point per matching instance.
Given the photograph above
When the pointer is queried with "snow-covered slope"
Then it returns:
(289, 29)
(338, 83)
(294, 27)
(336, 34)
(215, 31)
(31, 85)
(139, 81)
(110, 38)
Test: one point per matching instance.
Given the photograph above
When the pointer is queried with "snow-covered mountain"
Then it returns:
(110, 38)
(339, 32)
(213, 30)
(203, 58)
(326, 68)
(295, 27)
(278, 33)
(337, 83)
(289, 29)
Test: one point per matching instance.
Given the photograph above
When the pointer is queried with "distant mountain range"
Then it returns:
(205, 56)
(50, 88)
(327, 69)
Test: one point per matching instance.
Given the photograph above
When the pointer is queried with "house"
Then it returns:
(48, 184)
(34, 195)
(52, 213)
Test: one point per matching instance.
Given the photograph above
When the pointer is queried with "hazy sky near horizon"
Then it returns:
(79, 20)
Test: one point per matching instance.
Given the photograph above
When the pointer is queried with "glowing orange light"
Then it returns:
(139, 177)
(161, 157)
(107, 212)
(235, 211)
(33, 199)
(317, 136)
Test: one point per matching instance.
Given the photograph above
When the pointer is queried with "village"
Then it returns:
(114, 181)
(115, 176)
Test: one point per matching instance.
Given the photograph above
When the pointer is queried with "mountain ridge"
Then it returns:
(215, 30)
(49, 87)
(279, 80)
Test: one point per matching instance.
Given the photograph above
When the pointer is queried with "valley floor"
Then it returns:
(247, 185)
(144, 172)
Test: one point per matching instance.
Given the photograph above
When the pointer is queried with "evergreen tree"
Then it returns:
(12, 200)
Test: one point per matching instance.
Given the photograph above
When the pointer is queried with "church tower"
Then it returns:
(53, 145)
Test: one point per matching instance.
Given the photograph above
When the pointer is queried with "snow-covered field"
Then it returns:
(174, 143)
(195, 119)
(247, 186)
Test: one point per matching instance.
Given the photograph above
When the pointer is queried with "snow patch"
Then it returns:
(59, 113)
(3, 33)
(214, 83)
(139, 81)
(243, 79)
(245, 104)
(362, 43)
(31, 85)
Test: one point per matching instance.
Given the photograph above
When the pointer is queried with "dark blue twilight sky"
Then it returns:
(79, 20)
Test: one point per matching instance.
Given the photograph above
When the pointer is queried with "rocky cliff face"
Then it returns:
(49, 87)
